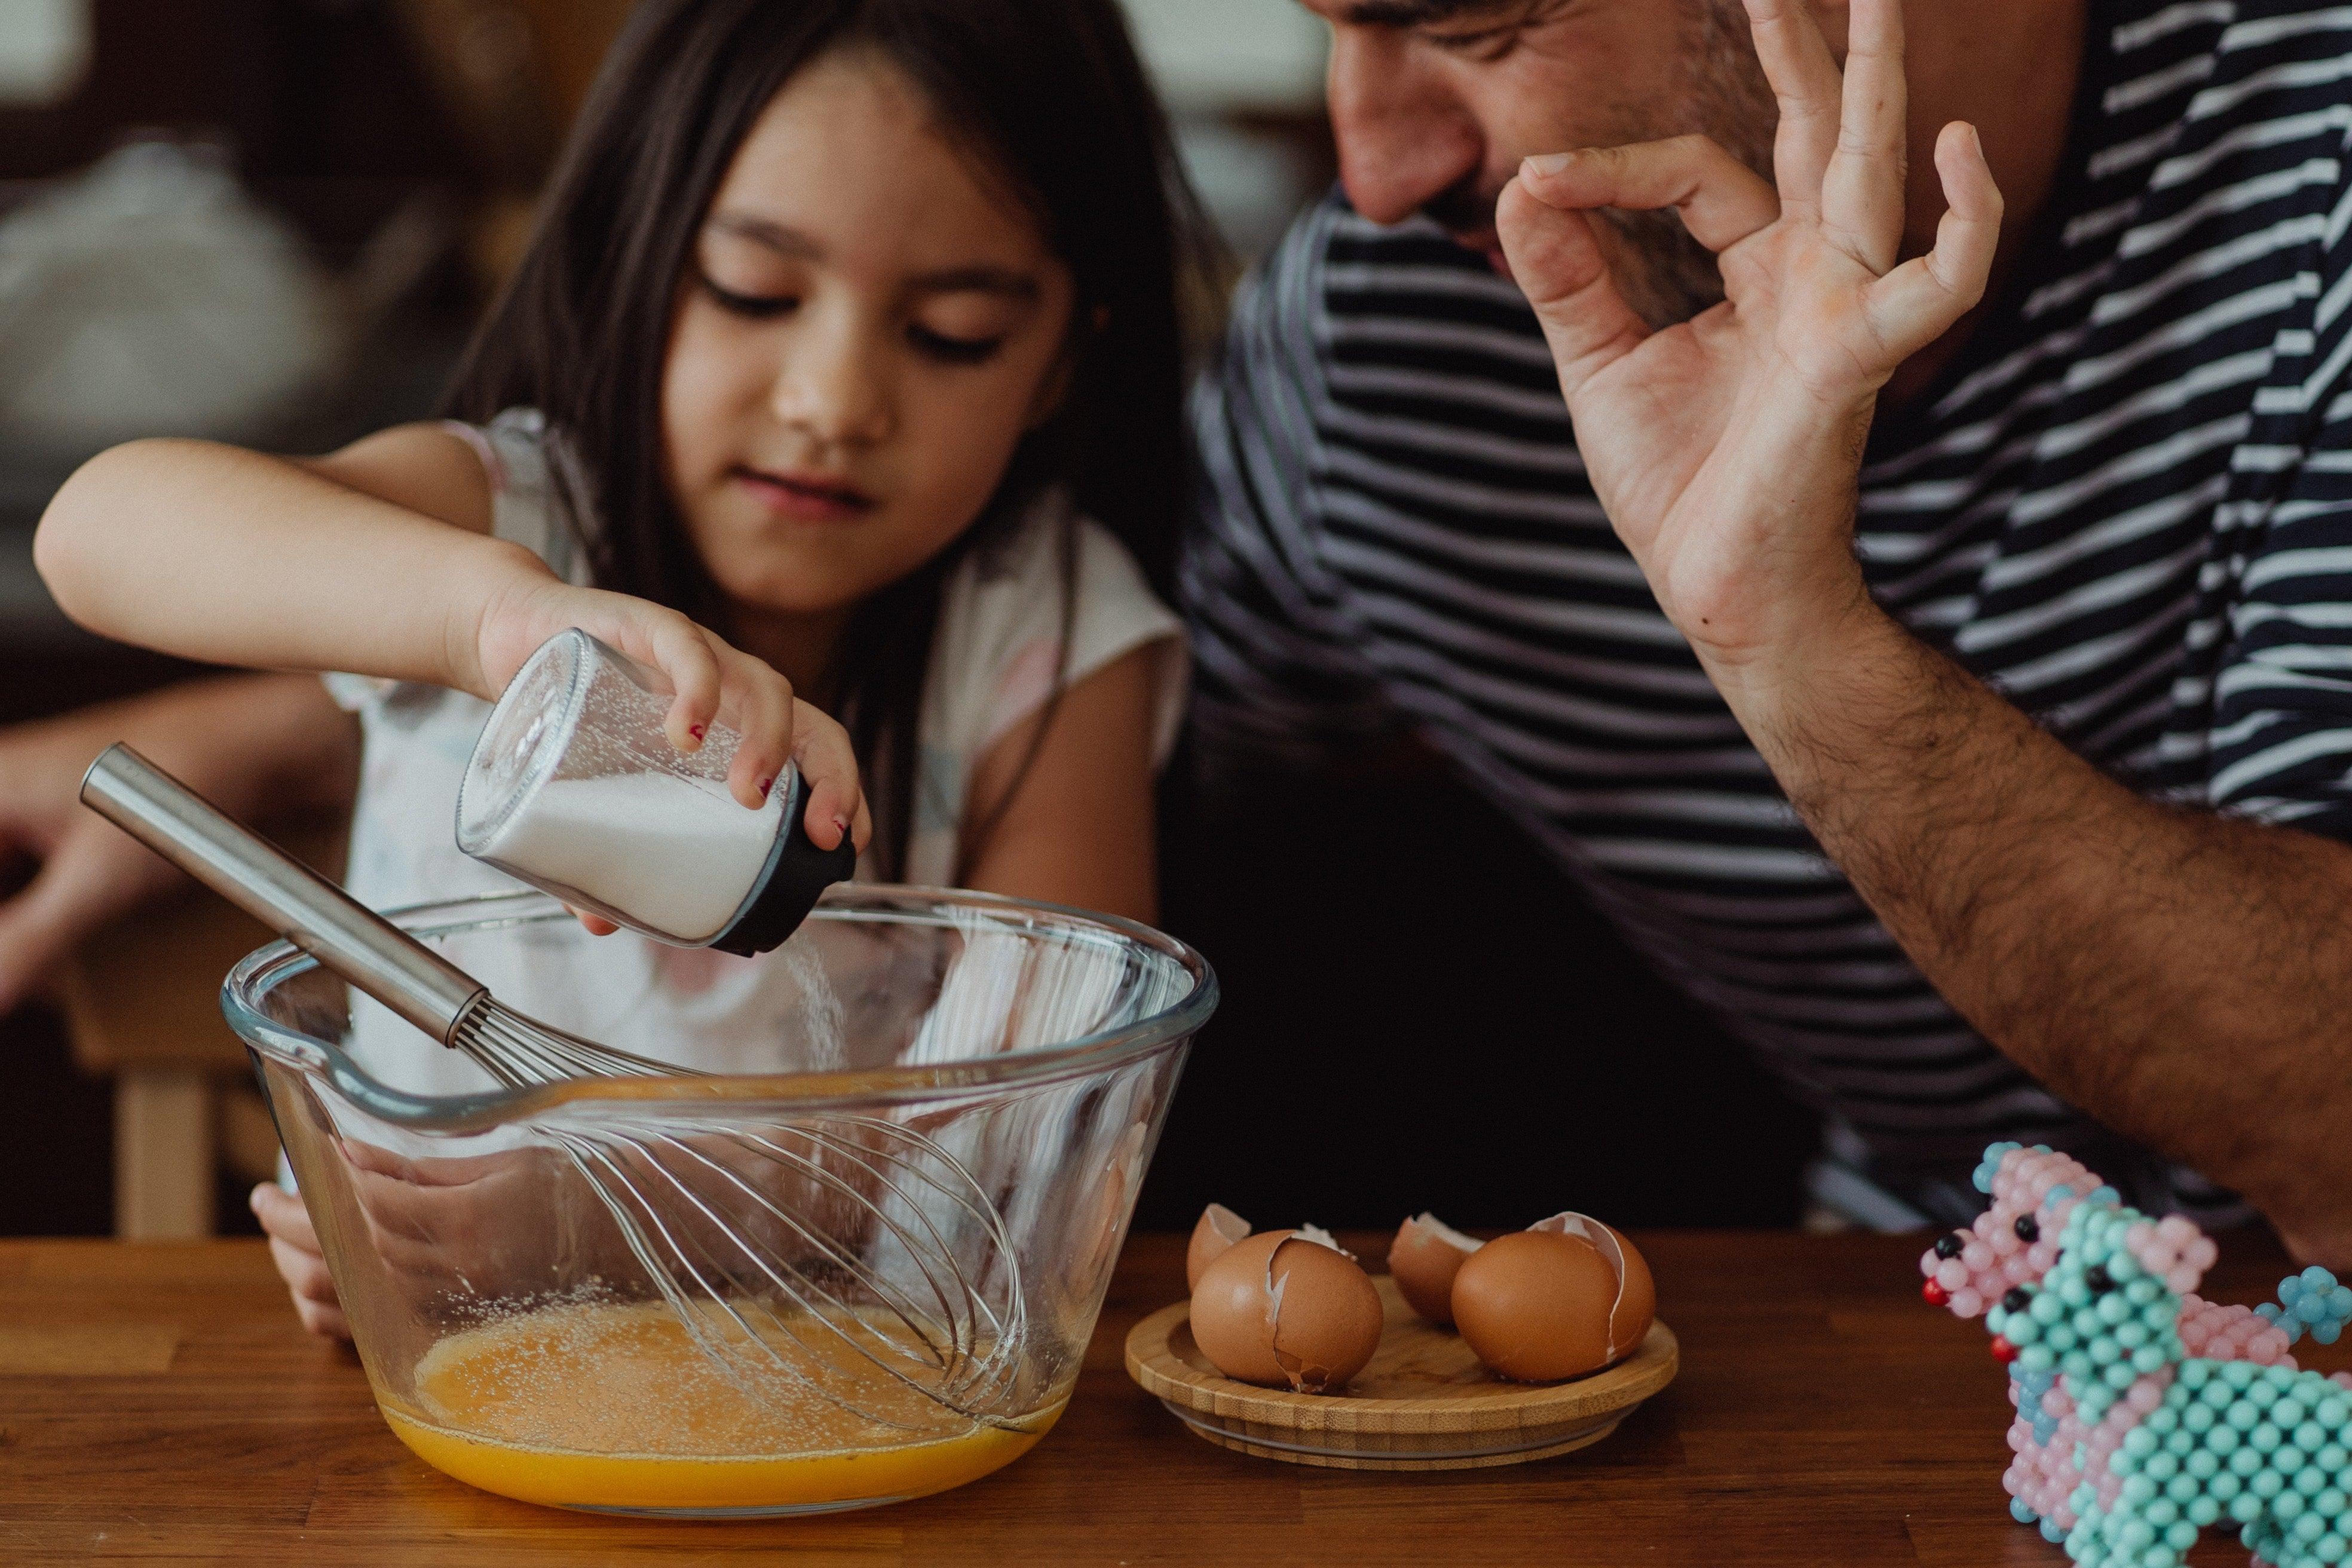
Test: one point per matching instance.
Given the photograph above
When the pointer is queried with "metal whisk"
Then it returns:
(742, 1231)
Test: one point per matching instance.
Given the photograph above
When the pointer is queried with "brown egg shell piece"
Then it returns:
(1278, 1308)
(1535, 1306)
(1636, 1305)
(1325, 1314)
(1218, 1230)
(1424, 1260)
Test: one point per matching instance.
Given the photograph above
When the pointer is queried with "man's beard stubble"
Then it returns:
(1664, 274)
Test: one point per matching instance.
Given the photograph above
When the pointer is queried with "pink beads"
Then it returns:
(2219, 1332)
(1979, 1266)
(2172, 1249)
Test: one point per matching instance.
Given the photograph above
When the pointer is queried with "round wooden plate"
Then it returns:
(1425, 1403)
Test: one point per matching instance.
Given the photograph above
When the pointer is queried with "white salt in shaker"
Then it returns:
(575, 788)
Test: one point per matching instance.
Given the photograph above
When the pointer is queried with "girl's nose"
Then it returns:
(833, 387)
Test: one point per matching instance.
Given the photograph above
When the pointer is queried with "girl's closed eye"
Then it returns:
(949, 348)
(755, 305)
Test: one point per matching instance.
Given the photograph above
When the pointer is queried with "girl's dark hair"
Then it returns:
(1050, 97)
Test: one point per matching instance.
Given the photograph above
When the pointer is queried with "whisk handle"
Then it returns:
(279, 890)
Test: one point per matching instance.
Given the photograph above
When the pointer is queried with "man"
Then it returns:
(1956, 698)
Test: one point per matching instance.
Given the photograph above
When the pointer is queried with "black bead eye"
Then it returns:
(2029, 1229)
(2099, 1280)
(1949, 1245)
(2018, 1299)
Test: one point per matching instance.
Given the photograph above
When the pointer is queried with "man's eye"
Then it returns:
(757, 307)
(953, 350)
(1484, 44)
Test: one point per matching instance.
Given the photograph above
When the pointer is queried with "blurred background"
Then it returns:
(273, 222)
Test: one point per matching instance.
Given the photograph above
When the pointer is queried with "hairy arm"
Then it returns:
(1077, 828)
(2185, 976)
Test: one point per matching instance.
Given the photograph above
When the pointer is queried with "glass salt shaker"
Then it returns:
(574, 788)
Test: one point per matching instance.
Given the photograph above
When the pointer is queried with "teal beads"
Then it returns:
(2170, 1444)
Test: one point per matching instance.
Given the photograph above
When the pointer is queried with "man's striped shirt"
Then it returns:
(2127, 506)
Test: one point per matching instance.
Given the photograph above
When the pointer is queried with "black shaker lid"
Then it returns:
(796, 876)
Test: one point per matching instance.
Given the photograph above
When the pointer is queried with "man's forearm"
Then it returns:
(2184, 976)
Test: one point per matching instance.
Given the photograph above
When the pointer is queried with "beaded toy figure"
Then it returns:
(2080, 1471)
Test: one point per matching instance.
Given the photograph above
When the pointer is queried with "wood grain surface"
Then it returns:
(159, 1405)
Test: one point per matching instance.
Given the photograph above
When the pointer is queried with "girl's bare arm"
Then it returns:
(379, 559)
(351, 561)
(1078, 829)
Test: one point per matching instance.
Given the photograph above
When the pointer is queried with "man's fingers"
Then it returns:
(1918, 302)
(1805, 84)
(1722, 201)
(1557, 263)
(1862, 194)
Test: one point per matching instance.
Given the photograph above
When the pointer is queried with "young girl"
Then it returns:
(844, 369)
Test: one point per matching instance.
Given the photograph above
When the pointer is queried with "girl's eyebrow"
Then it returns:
(786, 240)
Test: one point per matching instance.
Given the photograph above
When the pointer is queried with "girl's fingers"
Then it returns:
(1722, 201)
(305, 1273)
(1862, 194)
(761, 701)
(1557, 263)
(682, 651)
(835, 797)
(327, 1322)
(1918, 302)
(283, 1218)
(1805, 84)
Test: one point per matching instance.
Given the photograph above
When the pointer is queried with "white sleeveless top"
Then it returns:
(994, 663)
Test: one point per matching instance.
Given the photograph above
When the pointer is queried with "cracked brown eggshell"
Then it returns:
(1219, 1229)
(1424, 1260)
(1566, 1297)
(1280, 1308)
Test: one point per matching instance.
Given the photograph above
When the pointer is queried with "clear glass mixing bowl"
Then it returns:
(859, 1264)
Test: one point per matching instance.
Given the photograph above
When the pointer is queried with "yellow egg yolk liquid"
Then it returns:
(617, 1408)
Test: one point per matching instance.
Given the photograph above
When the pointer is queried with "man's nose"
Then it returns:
(1404, 136)
(833, 386)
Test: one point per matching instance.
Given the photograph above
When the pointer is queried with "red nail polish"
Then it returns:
(765, 785)
(695, 730)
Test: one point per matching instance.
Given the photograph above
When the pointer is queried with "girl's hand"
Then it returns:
(712, 679)
(294, 1248)
(86, 871)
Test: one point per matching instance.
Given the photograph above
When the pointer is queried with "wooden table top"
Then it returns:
(158, 1403)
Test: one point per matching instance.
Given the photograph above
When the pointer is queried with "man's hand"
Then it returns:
(1726, 448)
(2182, 976)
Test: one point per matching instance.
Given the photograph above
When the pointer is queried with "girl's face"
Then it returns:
(867, 329)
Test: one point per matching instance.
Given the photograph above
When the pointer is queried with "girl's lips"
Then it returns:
(806, 498)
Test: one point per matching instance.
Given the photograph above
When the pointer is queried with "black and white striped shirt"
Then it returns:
(2127, 505)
